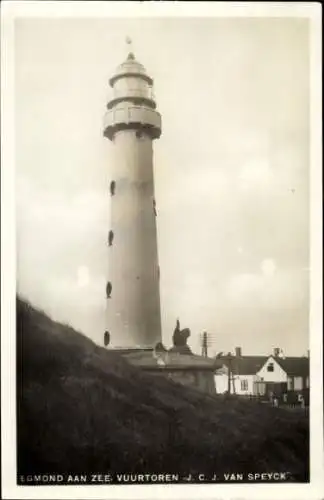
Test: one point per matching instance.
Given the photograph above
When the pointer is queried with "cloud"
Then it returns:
(58, 236)
(267, 290)
(234, 145)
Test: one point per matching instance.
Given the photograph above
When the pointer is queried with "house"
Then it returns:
(244, 379)
(262, 375)
(283, 374)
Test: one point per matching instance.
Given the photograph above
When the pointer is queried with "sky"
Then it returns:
(231, 173)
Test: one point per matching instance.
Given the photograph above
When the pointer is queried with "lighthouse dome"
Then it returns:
(132, 63)
(130, 67)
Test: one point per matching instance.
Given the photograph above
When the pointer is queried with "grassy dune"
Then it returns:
(82, 408)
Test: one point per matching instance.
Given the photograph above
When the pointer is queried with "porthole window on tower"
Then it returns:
(106, 338)
(110, 238)
(108, 290)
(112, 188)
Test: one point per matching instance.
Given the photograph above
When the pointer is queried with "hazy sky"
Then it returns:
(231, 172)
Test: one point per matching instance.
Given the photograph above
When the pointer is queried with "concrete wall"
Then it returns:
(202, 380)
(133, 311)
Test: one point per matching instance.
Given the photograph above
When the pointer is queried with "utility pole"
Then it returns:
(207, 340)
(229, 358)
(204, 348)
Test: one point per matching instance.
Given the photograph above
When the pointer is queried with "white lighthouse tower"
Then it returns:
(132, 291)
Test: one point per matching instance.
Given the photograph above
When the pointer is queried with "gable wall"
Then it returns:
(278, 374)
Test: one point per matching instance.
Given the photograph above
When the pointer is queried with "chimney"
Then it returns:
(238, 352)
(276, 352)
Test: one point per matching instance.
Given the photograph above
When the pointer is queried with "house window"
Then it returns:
(244, 385)
(270, 367)
(110, 237)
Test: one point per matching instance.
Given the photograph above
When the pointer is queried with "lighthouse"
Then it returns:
(132, 123)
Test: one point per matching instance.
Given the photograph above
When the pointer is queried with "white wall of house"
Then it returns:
(221, 383)
(272, 371)
(244, 384)
(298, 383)
(221, 380)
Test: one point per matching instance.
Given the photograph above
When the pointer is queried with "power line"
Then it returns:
(207, 340)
